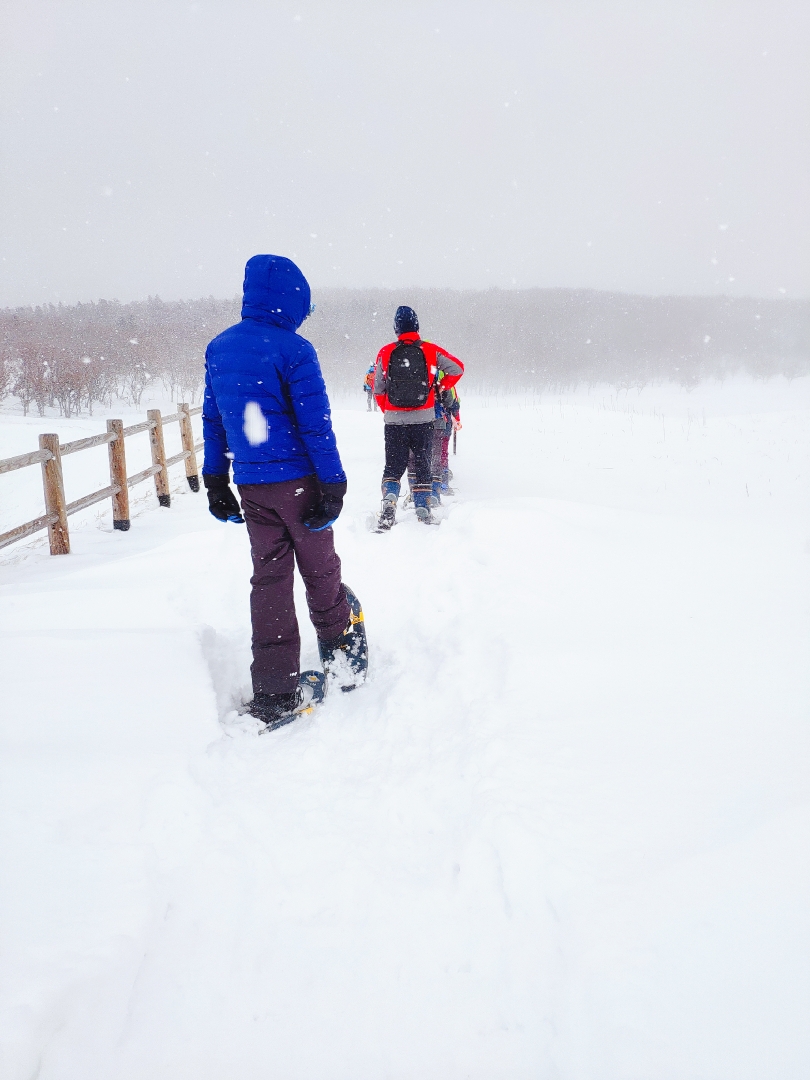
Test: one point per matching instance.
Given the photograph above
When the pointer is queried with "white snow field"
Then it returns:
(562, 832)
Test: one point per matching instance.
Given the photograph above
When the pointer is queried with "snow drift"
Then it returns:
(561, 832)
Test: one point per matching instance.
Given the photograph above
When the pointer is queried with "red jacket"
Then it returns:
(438, 360)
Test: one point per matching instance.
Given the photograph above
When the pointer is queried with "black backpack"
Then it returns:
(408, 379)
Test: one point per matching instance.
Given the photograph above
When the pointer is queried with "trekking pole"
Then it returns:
(454, 443)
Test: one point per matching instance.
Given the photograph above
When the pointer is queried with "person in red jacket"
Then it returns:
(408, 374)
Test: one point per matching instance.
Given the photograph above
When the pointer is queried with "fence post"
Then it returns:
(159, 458)
(118, 475)
(54, 488)
(187, 437)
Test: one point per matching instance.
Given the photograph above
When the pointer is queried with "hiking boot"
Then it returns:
(346, 657)
(423, 501)
(276, 710)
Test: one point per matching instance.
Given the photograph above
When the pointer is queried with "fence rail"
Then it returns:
(12, 463)
(85, 444)
(50, 455)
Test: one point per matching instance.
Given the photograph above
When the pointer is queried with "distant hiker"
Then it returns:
(407, 376)
(447, 413)
(368, 386)
(451, 406)
(266, 409)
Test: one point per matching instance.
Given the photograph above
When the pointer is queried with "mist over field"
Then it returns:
(72, 357)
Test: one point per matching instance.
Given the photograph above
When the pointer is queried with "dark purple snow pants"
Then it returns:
(274, 514)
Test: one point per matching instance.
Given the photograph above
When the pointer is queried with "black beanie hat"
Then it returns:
(405, 321)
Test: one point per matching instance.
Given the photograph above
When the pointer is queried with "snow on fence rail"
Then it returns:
(50, 455)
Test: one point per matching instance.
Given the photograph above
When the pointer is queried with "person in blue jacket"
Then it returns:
(266, 411)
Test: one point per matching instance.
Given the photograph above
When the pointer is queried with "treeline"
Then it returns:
(71, 357)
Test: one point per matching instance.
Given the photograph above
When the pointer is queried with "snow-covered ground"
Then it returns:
(562, 832)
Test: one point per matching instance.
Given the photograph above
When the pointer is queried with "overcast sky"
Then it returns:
(656, 147)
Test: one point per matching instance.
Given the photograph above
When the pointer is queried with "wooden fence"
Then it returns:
(50, 455)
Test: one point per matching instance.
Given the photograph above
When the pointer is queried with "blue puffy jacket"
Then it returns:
(265, 402)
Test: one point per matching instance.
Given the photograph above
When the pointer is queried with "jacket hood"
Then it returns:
(275, 291)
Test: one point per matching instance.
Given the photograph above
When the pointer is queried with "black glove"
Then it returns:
(221, 500)
(328, 508)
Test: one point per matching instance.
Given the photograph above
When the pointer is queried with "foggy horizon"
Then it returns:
(633, 148)
(401, 292)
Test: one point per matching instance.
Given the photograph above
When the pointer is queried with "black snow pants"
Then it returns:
(400, 440)
(278, 538)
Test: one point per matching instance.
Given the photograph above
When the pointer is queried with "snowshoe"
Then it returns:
(346, 658)
(388, 516)
(276, 710)
(425, 516)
